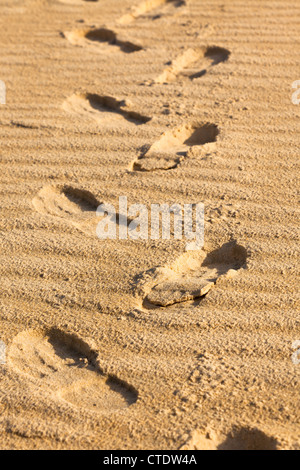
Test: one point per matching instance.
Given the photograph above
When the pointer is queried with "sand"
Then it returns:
(140, 344)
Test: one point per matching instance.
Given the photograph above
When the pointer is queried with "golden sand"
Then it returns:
(139, 344)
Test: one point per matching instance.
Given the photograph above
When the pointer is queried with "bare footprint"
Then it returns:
(105, 110)
(76, 206)
(77, 2)
(108, 37)
(239, 438)
(67, 368)
(173, 146)
(193, 63)
(192, 275)
(154, 8)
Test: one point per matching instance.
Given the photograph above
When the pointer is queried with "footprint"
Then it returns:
(192, 275)
(244, 438)
(240, 438)
(201, 441)
(193, 63)
(149, 6)
(173, 146)
(105, 110)
(80, 37)
(68, 368)
(77, 2)
(77, 206)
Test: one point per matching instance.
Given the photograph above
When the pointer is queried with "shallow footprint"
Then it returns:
(173, 146)
(105, 110)
(193, 63)
(157, 8)
(76, 206)
(68, 368)
(194, 274)
(77, 2)
(81, 37)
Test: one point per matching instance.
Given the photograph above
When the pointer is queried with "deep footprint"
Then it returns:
(101, 35)
(248, 439)
(193, 64)
(68, 368)
(173, 146)
(76, 206)
(105, 110)
(193, 275)
(240, 438)
(154, 8)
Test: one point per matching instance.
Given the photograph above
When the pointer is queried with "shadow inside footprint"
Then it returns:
(76, 206)
(239, 438)
(173, 146)
(107, 103)
(81, 37)
(248, 439)
(68, 368)
(106, 110)
(79, 208)
(217, 54)
(198, 74)
(107, 35)
(193, 63)
(202, 135)
(82, 198)
(193, 275)
(213, 55)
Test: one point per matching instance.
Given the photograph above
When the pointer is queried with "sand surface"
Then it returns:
(139, 344)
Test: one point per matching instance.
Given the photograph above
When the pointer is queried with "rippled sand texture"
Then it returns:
(140, 344)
